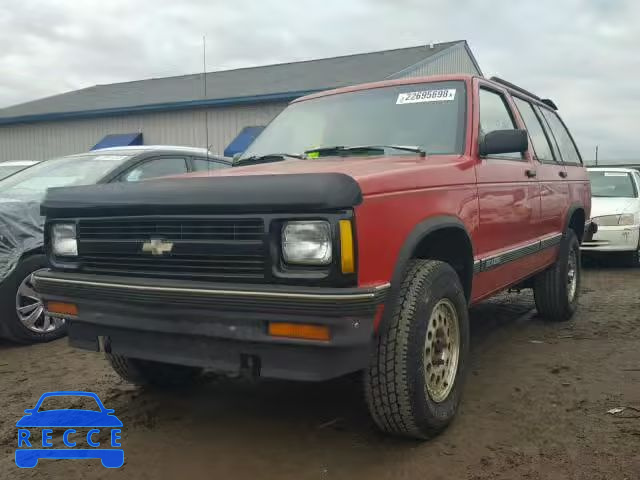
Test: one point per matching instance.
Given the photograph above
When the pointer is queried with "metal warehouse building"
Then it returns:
(175, 111)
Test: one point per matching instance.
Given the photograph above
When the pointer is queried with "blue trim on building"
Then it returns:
(159, 107)
(119, 140)
(242, 141)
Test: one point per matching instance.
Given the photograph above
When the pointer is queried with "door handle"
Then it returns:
(563, 174)
(530, 173)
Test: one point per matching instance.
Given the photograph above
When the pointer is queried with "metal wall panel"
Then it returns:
(40, 141)
(452, 60)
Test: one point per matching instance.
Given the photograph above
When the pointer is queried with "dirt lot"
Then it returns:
(535, 407)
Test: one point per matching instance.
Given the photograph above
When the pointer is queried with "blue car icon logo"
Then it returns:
(35, 432)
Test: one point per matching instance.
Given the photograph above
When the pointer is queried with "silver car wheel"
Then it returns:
(442, 350)
(30, 309)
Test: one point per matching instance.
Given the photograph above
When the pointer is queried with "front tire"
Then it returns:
(557, 289)
(22, 316)
(414, 383)
(150, 373)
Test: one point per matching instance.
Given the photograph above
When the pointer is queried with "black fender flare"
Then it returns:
(573, 209)
(419, 232)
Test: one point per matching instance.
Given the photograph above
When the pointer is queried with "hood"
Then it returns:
(257, 193)
(21, 231)
(290, 186)
(601, 206)
(371, 172)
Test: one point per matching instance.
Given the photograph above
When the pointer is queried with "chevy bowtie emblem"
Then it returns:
(157, 246)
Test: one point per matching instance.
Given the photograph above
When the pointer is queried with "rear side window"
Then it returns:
(567, 148)
(495, 115)
(159, 167)
(205, 165)
(536, 132)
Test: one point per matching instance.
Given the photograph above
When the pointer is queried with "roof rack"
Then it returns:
(512, 86)
(549, 103)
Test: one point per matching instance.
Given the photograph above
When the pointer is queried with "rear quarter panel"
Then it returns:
(579, 191)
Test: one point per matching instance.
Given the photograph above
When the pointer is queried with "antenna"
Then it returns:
(596, 155)
(204, 93)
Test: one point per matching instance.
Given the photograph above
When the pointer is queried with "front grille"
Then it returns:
(204, 248)
(172, 228)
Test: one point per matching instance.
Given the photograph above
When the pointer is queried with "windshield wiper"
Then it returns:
(366, 148)
(268, 157)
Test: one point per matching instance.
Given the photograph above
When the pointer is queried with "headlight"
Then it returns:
(63, 240)
(307, 243)
(615, 220)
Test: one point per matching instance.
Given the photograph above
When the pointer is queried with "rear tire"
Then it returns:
(150, 373)
(557, 289)
(414, 383)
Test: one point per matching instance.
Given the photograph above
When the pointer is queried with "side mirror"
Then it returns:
(504, 141)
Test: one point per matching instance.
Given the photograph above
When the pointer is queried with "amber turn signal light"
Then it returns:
(347, 262)
(299, 330)
(62, 308)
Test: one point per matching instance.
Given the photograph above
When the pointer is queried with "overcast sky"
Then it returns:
(582, 53)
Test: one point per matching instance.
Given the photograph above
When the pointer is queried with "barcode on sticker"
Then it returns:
(442, 95)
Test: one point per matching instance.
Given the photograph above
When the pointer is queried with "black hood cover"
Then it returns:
(308, 192)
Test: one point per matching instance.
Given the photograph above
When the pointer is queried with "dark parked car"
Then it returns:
(22, 316)
(8, 168)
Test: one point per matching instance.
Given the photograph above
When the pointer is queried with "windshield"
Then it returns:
(612, 184)
(33, 182)
(6, 170)
(430, 116)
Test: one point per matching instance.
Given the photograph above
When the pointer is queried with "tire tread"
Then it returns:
(387, 385)
(550, 294)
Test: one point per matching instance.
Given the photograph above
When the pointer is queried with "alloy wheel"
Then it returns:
(30, 309)
(442, 350)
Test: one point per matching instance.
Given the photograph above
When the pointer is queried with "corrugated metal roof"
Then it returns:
(261, 83)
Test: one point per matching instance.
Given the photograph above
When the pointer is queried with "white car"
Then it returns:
(8, 168)
(615, 209)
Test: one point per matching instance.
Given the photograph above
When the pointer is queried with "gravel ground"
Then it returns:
(535, 407)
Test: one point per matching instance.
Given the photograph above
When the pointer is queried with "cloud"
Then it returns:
(581, 53)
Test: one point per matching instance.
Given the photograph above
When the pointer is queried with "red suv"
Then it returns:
(375, 216)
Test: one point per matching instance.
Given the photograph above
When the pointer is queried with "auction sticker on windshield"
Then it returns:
(442, 95)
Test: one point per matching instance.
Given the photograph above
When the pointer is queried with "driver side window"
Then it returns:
(158, 167)
(496, 115)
